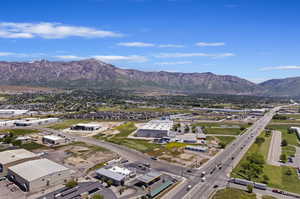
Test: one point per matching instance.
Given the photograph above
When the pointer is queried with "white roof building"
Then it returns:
(34, 169)
(15, 155)
(158, 125)
(121, 170)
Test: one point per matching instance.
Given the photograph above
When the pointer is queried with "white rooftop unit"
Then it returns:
(53, 139)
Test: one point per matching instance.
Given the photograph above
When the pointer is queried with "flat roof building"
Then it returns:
(149, 178)
(31, 122)
(14, 157)
(155, 129)
(197, 148)
(35, 175)
(53, 139)
(107, 174)
(86, 127)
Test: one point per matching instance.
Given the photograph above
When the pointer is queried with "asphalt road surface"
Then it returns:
(227, 160)
(275, 149)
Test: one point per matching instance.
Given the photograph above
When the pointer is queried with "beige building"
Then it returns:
(13, 157)
(35, 175)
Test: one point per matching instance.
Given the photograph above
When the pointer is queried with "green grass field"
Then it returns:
(32, 146)
(224, 131)
(19, 132)
(277, 175)
(231, 193)
(292, 139)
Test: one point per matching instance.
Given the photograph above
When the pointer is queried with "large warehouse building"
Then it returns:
(31, 122)
(14, 157)
(35, 175)
(86, 127)
(155, 129)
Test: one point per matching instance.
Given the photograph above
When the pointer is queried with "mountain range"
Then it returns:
(92, 73)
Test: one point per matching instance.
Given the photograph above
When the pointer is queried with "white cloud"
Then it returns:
(173, 63)
(69, 57)
(204, 44)
(106, 58)
(6, 54)
(136, 44)
(50, 31)
(113, 58)
(171, 46)
(179, 55)
(295, 67)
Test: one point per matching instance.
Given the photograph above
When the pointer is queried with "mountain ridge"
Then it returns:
(92, 73)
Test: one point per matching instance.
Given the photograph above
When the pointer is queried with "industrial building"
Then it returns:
(33, 121)
(86, 127)
(149, 178)
(35, 175)
(53, 139)
(12, 112)
(197, 148)
(14, 157)
(8, 123)
(297, 130)
(116, 178)
(156, 129)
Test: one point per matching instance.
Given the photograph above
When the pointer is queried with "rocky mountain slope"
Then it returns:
(93, 73)
(282, 87)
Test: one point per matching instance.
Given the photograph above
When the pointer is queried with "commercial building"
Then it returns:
(149, 178)
(197, 148)
(14, 157)
(35, 175)
(52, 139)
(106, 174)
(155, 129)
(8, 123)
(86, 127)
(297, 131)
(33, 121)
(12, 112)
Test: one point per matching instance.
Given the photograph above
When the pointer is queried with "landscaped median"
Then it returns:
(231, 193)
(253, 167)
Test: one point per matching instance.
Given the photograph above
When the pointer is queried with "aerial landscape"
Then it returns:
(140, 99)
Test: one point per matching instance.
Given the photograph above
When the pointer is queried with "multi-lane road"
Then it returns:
(217, 169)
(228, 159)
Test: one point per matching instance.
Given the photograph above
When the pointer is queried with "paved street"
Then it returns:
(275, 149)
(229, 158)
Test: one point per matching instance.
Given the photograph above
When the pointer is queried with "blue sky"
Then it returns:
(253, 39)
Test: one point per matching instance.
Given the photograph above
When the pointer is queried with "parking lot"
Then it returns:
(9, 190)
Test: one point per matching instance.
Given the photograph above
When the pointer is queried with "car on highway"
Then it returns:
(215, 186)
(203, 179)
(189, 171)
(189, 187)
(154, 158)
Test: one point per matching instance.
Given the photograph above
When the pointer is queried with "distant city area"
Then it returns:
(90, 144)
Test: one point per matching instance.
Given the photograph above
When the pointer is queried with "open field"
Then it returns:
(164, 110)
(278, 176)
(225, 131)
(292, 138)
(231, 193)
(19, 132)
(66, 124)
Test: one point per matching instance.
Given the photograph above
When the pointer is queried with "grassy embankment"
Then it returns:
(278, 175)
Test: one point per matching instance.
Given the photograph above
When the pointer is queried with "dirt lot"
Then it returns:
(9, 190)
(106, 128)
(80, 157)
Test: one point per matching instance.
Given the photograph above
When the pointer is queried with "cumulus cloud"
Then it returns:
(173, 63)
(179, 55)
(50, 31)
(115, 58)
(136, 44)
(171, 46)
(292, 67)
(143, 44)
(204, 44)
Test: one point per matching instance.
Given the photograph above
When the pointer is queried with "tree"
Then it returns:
(71, 184)
(288, 172)
(250, 188)
(186, 129)
(284, 143)
(222, 145)
(109, 182)
(98, 196)
(259, 140)
(283, 158)
(266, 179)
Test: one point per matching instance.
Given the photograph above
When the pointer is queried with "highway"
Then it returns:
(228, 159)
